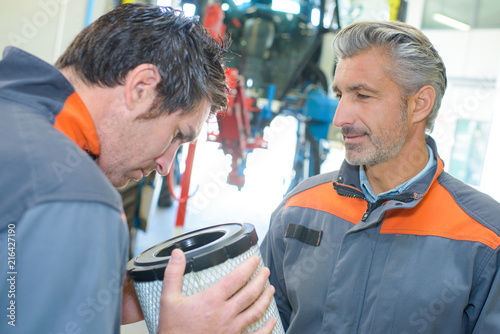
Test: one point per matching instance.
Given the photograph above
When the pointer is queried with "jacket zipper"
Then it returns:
(355, 193)
(348, 191)
(404, 197)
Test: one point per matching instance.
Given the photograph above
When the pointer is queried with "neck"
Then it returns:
(409, 162)
(99, 100)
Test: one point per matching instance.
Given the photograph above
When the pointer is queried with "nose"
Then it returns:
(343, 114)
(164, 161)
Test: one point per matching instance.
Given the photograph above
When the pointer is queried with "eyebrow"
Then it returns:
(190, 136)
(357, 87)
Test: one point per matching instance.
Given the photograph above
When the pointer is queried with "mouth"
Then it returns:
(146, 172)
(353, 135)
(354, 138)
(137, 175)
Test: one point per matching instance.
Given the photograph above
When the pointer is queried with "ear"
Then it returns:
(423, 101)
(140, 85)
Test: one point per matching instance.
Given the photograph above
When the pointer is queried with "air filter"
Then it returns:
(211, 253)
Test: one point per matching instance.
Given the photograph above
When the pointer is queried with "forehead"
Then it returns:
(202, 112)
(195, 119)
(367, 67)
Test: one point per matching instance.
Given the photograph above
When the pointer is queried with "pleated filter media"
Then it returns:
(211, 253)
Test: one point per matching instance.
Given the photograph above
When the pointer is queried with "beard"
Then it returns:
(120, 177)
(378, 148)
(117, 177)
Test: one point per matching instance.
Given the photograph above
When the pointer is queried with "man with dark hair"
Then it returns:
(129, 90)
(390, 243)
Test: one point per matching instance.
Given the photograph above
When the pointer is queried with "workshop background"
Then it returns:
(278, 130)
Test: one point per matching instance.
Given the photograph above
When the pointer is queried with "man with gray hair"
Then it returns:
(390, 243)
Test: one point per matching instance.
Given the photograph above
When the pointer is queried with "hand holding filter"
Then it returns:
(211, 253)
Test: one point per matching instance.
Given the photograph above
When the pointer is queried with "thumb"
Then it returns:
(174, 272)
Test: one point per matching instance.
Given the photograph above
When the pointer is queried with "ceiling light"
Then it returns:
(446, 20)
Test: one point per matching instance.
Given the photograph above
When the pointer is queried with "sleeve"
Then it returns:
(485, 300)
(70, 262)
(272, 250)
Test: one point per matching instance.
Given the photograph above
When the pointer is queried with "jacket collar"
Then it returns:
(349, 175)
(76, 123)
(29, 80)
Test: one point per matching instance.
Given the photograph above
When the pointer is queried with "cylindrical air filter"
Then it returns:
(211, 253)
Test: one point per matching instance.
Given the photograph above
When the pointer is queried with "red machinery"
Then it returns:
(234, 132)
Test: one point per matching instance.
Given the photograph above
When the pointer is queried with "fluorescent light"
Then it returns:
(240, 2)
(164, 3)
(189, 9)
(315, 17)
(446, 20)
(287, 6)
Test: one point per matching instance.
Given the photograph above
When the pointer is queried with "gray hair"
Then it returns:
(414, 60)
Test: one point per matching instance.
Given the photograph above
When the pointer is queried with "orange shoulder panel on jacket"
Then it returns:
(438, 215)
(324, 198)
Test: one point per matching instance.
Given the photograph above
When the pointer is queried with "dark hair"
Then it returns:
(188, 59)
(414, 60)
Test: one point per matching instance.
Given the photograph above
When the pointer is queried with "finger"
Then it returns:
(174, 272)
(249, 293)
(257, 310)
(236, 279)
(131, 309)
(267, 328)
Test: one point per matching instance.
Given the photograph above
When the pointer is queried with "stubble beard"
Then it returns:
(115, 176)
(379, 148)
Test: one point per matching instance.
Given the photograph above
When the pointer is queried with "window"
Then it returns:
(488, 14)
(461, 14)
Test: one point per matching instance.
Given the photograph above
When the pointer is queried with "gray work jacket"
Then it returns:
(424, 261)
(63, 241)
